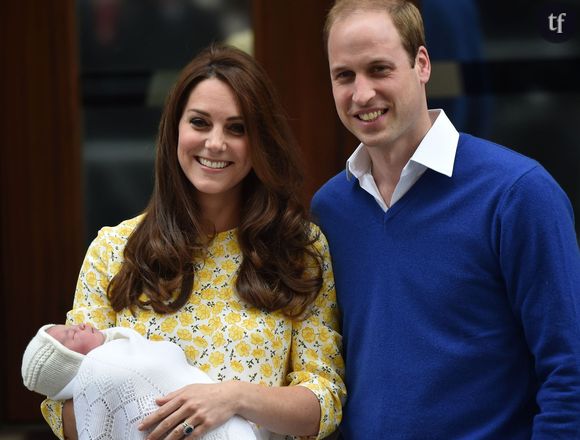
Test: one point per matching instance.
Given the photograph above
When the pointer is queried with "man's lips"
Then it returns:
(370, 116)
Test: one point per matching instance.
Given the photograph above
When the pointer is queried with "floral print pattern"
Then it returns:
(219, 333)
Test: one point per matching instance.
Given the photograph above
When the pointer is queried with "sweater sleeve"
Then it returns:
(91, 304)
(540, 261)
(316, 355)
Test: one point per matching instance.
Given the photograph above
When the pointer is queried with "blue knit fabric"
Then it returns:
(460, 304)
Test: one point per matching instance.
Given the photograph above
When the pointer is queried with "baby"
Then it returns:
(114, 377)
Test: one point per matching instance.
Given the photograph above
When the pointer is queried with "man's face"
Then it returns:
(379, 94)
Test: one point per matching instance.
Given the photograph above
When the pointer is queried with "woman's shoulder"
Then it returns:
(122, 231)
(317, 236)
(313, 229)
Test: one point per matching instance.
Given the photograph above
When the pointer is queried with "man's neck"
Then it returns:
(387, 162)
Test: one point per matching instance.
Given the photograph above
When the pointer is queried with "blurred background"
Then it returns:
(83, 85)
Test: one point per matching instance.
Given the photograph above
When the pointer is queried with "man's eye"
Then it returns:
(341, 76)
(380, 70)
(238, 129)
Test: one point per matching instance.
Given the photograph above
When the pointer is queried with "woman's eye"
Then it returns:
(238, 129)
(198, 122)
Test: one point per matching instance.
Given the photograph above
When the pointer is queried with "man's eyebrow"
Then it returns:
(381, 62)
(338, 68)
(371, 63)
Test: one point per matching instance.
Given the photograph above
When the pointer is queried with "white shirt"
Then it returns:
(436, 151)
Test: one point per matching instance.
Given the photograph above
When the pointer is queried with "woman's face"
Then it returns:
(213, 147)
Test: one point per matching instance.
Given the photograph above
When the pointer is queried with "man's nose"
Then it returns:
(363, 91)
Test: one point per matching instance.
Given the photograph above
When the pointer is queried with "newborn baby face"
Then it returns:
(81, 338)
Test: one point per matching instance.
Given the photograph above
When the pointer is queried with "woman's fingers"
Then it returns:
(164, 420)
(190, 412)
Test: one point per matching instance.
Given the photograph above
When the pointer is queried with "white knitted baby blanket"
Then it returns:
(118, 382)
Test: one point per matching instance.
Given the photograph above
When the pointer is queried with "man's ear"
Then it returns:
(423, 64)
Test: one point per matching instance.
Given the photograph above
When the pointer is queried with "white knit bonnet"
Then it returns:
(47, 365)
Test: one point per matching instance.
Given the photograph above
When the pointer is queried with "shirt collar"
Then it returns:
(436, 151)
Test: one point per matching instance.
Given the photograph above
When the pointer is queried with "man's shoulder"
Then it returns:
(491, 160)
(500, 169)
(487, 151)
(332, 187)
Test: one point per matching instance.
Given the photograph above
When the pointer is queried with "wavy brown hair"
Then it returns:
(280, 269)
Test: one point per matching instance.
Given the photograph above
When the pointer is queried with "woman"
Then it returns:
(224, 263)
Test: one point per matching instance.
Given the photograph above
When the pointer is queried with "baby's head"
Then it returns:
(52, 358)
(81, 338)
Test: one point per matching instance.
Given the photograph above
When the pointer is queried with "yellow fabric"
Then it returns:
(223, 336)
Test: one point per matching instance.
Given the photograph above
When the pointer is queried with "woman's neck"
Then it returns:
(222, 213)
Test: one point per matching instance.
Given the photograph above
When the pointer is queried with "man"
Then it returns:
(456, 262)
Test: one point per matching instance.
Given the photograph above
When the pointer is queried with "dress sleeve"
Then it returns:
(316, 355)
(540, 261)
(91, 304)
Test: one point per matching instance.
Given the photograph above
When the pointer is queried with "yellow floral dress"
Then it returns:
(225, 337)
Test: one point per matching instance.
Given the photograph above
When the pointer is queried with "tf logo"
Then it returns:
(557, 21)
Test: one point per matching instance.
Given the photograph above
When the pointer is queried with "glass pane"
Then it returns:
(131, 52)
(498, 75)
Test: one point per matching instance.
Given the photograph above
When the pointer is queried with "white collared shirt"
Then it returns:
(436, 151)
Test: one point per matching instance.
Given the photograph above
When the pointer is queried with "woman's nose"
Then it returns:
(215, 141)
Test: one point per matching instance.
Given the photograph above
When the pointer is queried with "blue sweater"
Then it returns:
(461, 304)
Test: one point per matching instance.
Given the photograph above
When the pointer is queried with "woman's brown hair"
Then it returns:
(281, 269)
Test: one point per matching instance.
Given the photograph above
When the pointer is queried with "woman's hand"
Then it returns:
(202, 406)
(291, 410)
